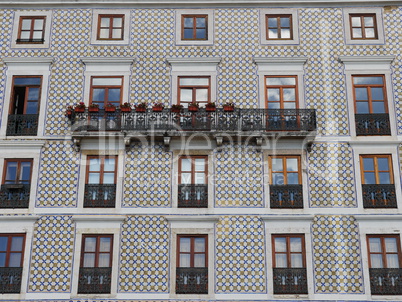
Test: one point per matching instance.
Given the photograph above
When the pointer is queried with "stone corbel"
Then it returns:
(166, 142)
(219, 141)
(77, 143)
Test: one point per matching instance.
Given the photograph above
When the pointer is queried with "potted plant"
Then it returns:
(94, 107)
(229, 106)
(79, 107)
(69, 111)
(110, 107)
(125, 107)
(176, 108)
(141, 107)
(193, 107)
(210, 107)
(157, 107)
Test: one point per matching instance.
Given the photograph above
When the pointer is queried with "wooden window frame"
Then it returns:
(97, 252)
(370, 101)
(363, 27)
(106, 87)
(281, 87)
(383, 250)
(194, 88)
(19, 161)
(288, 252)
(102, 166)
(8, 248)
(376, 171)
(111, 18)
(279, 28)
(192, 253)
(12, 107)
(192, 159)
(31, 30)
(194, 17)
(285, 172)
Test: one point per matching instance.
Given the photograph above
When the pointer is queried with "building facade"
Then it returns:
(292, 194)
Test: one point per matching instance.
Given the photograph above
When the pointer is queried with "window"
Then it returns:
(11, 260)
(193, 187)
(194, 27)
(16, 183)
(363, 26)
(32, 29)
(24, 109)
(96, 264)
(279, 27)
(286, 190)
(106, 90)
(281, 92)
(377, 181)
(385, 262)
(100, 188)
(194, 89)
(110, 27)
(192, 259)
(289, 264)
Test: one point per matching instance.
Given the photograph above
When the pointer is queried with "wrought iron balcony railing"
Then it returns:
(290, 281)
(10, 280)
(191, 280)
(286, 196)
(240, 120)
(379, 196)
(100, 196)
(193, 196)
(372, 124)
(94, 280)
(14, 195)
(386, 281)
(22, 125)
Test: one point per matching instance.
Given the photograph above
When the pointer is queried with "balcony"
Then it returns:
(14, 196)
(10, 280)
(379, 196)
(372, 124)
(386, 281)
(100, 196)
(22, 125)
(191, 280)
(193, 196)
(286, 196)
(290, 281)
(94, 280)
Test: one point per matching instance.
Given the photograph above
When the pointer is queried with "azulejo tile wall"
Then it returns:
(331, 175)
(238, 177)
(144, 259)
(336, 255)
(52, 255)
(240, 255)
(147, 181)
(58, 175)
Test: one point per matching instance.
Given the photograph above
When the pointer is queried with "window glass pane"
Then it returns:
(368, 80)
(285, 33)
(369, 178)
(392, 261)
(89, 260)
(90, 244)
(11, 173)
(378, 107)
(106, 81)
(280, 81)
(362, 107)
(383, 164)
(186, 95)
(108, 178)
(2, 259)
(377, 93)
(201, 95)
(33, 94)
(186, 178)
(185, 244)
(199, 244)
(38, 24)
(361, 94)
(117, 22)
(357, 33)
(376, 261)
(94, 164)
(201, 34)
(292, 164)
(98, 96)
(194, 81)
(273, 34)
(296, 260)
(375, 245)
(93, 178)
(280, 260)
(27, 81)
(278, 179)
(105, 22)
(16, 244)
(105, 244)
(26, 24)
(200, 22)
(32, 108)
(391, 245)
(293, 178)
(370, 33)
(188, 33)
(277, 164)
(186, 164)
(117, 33)
(104, 260)
(272, 22)
(199, 178)
(285, 22)
(356, 22)
(295, 244)
(385, 178)
(15, 260)
(3, 243)
(188, 22)
(289, 94)
(184, 260)
(109, 164)
(25, 173)
(273, 95)
(280, 244)
(199, 260)
(25, 35)
(368, 164)
(104, 33)
(289, 105)
(37, 35)
(199, 164)
(368, 21)
(275, 105)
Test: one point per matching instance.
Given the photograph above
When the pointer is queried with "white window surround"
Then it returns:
(16, 27)
(97, 224)
(210, 28)
(29, 150)
(384, 148)
(275, 11)
(26, 67)
(363, 10)
(380, 65)
(279, 67)
(23, 225)
(192, 225)
(288, 224)
(95, 20)
(196, 66)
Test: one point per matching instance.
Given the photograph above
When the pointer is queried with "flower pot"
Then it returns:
(210, 108)
(69, 113)
(125, 109)
(79, 109)
(93, 109)
(192, 108)
(175, 110)
(228, 108)
(157, 108)
(140, 109)
(110, 109)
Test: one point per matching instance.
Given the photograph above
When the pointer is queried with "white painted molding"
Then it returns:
(98, 222)
(287, 217)
(19, 219)
(107, 60)
(280, 60)
(27, 60)
(192, 218)
(270, 65)
(26, 145)
(366, 59)
(193, 60)
(375, 217)
(99, 218)
(192, 222)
